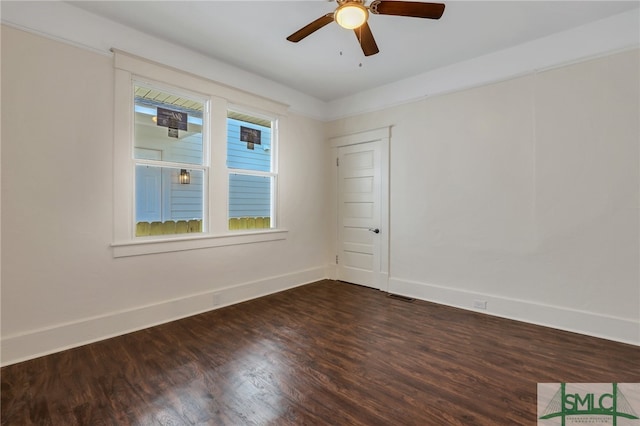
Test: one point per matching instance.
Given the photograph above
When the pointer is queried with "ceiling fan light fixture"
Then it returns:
(351, 15)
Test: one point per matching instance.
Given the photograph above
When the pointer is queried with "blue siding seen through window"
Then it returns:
(249, 194)
(241, 157)
(186, 200)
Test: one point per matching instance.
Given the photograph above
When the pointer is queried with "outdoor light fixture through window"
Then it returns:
(185, 177)
(351, 15)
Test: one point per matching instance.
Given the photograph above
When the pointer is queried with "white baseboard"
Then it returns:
(384, 281)
(331, 271)
(36, 343)
(607, 327)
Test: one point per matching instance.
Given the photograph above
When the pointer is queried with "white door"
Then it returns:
(148, 187)
(148, 193)
(359, 214)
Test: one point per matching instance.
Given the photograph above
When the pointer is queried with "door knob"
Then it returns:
(374, 230)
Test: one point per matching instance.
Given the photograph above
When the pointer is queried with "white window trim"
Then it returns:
(130, 68)
(163, 245)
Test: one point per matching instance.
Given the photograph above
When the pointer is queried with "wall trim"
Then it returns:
(35, 343)
(617, 329)
(593, 40)
(150, 245)
(68, 24)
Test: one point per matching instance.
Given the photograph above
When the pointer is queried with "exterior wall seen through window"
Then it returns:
(170, 171)
(252, 176)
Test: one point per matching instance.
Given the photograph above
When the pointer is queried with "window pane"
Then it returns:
(167, 127)
(164, 205)
(249, 201)
(248, 143)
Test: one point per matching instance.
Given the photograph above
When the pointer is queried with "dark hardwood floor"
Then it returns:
(325, 353)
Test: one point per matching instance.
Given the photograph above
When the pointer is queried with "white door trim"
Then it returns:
(384, 136)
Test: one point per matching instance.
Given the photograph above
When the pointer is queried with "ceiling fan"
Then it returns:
(353, 15)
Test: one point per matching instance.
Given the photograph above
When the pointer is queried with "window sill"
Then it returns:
(152, 245)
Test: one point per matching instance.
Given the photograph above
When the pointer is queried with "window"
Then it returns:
(170, 169)
(175, 186)
(252, 175)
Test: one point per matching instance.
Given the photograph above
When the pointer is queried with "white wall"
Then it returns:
(61, 285)
(523, 193)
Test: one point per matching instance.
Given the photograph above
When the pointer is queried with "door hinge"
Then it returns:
(337, 161)
(336, 259)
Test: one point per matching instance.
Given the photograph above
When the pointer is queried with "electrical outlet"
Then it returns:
(480, 304)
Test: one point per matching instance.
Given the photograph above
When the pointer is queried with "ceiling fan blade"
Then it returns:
(367, 42)
(407, 8)
(311, 28)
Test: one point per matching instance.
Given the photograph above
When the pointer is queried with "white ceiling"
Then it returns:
(329, 64)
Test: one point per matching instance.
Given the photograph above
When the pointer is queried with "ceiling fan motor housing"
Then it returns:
(351, 14)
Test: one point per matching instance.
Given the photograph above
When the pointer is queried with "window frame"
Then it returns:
(204, 166)
(273, 173)
(129, 69)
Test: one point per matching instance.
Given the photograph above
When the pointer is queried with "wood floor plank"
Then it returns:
(324, 353)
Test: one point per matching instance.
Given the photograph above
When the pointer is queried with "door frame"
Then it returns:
(383, 135)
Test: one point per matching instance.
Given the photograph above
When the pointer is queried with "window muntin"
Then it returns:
(170, 164)
(252, 174)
